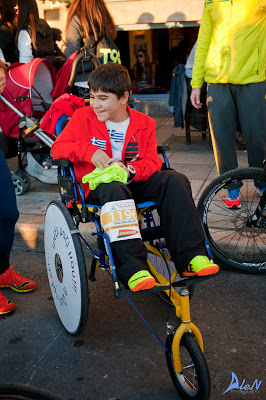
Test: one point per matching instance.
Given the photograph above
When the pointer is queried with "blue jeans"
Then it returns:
(8, 214)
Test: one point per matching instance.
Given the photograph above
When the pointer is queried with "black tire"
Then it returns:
(231, 241)
(193, 365)
(66, 268)
(26, 179)
(20, 185)
(19, 391)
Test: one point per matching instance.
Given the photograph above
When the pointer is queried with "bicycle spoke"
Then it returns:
(235, 238)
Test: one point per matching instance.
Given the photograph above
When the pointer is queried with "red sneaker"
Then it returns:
(233, 203)
(6, 306)
(233, 200)
(13, 280)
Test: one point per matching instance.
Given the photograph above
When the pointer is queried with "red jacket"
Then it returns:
(84, 134)
(65, 104)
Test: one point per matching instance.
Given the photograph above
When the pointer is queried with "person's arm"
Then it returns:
(5, 40)
(2, 57)
(153, 73)
(203, 43)
(24, 47)
(2, 76)
(74, 41)
(150, 161)
(69, 145)
(136, 76)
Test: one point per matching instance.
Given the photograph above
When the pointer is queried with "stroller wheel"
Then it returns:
(26, 180)
(19, 185)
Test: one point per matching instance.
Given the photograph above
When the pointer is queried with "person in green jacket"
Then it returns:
(231, 58)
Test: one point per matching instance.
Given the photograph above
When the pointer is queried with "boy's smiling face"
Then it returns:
(108, 107)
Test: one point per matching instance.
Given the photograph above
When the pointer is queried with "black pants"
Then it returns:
(179, 220)
(226, 103)
(8, 214)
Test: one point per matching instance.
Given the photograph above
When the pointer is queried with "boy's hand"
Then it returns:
(112, 161)
(100, 159)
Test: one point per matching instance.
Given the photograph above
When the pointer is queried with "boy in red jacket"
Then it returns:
(107, 132)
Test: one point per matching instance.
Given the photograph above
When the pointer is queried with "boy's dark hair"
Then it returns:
(110, 78)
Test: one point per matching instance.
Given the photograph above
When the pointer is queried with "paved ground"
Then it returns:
(116, 356)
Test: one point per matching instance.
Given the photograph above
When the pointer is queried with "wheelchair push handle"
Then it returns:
(64, 162)
(161, 149)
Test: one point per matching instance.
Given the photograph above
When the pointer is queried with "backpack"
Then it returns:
(105, 50)
(44, 42)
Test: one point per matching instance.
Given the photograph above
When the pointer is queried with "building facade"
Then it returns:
(166, 29)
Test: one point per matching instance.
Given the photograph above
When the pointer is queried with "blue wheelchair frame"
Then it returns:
(88, 214)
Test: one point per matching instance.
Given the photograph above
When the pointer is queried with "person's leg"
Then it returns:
(8, 214)
(250, 105)
(8, 218)
(179, 219)
(130, 256)
(222, 118)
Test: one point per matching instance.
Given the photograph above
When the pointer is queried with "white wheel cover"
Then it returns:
(66, 294)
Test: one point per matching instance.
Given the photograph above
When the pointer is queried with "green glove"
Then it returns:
(109, 174)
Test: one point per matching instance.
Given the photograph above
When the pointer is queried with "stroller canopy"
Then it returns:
(26, 86)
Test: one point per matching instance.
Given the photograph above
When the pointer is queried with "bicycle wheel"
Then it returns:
(232, 240)
(66, 268)
(19, 391)
(194, 380)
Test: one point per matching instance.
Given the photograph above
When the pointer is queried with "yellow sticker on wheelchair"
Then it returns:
(119, 220)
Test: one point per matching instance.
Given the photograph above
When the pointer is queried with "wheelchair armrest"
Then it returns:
(61, 163)
(160, 149)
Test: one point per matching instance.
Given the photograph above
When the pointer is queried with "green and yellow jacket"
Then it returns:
(231, 46)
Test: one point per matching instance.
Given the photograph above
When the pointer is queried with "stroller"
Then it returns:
(27, 86)
(24, 102)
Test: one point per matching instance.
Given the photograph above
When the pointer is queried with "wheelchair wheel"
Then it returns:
(233, 240)
(19, 391)
(194, 380)
(66, 268)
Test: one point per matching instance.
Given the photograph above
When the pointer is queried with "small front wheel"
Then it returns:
(26, 179)
(20, 185)
(194, 380)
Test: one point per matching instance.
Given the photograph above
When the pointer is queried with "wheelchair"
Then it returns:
(68, 277)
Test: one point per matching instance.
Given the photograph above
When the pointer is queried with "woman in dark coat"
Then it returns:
(7, 31)
(89, 24)
(34, 37)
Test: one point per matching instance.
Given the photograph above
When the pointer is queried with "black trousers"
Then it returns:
(179, 220)
(8, 214)
(226, 103)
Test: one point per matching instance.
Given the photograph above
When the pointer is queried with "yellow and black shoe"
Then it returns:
(141, 280)
(201, 266)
